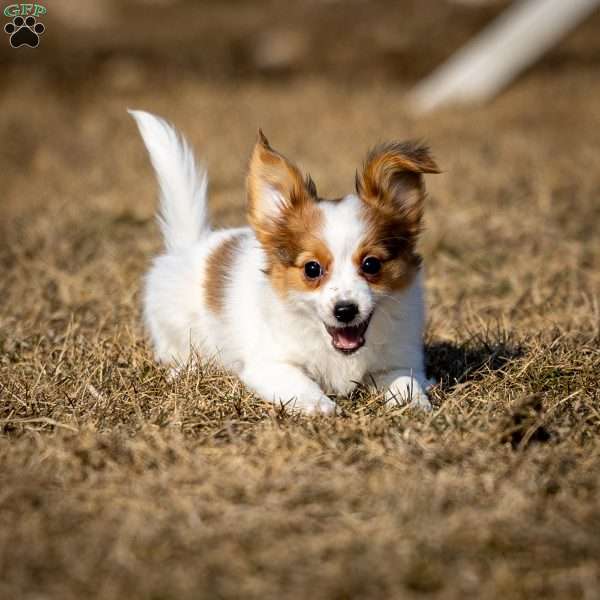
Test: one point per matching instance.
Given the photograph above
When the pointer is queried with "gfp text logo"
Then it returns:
(24, 29)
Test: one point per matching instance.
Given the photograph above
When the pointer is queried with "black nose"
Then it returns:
(345, 311)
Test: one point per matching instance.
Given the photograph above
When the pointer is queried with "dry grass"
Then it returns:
(117, 483)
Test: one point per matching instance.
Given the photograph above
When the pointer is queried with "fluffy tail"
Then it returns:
(183, 184)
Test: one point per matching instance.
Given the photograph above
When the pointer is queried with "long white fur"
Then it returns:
(182, 182)
(278, 346)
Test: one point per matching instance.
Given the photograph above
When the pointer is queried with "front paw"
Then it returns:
(307, 405)
(407, 390)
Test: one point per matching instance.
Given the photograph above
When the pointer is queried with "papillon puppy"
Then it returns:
(315, 297)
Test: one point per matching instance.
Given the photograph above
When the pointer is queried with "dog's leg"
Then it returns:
(404, 386)
(288, 385)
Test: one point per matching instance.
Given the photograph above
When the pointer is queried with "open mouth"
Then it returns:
(348, 339)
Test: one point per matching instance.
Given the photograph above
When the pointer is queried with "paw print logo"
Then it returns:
(24, 32)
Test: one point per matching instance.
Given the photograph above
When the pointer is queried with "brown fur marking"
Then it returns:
(270, 169)
(289, 235)
(295, 244)
(218, 267)
(393, 244)
(392, 180)
(392, 189)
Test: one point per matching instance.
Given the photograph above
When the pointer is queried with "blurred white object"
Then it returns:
(280, 50)
(518, 37)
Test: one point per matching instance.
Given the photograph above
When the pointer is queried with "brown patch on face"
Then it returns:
(218, 268)
(283, 211)
(393, 192)
(292, 243)
(389, 240)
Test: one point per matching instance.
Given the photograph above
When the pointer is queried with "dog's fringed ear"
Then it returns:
(392, 179)
(274, 185)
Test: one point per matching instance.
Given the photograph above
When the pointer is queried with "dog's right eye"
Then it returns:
(312, 269)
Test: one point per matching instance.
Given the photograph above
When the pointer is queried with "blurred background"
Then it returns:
(305, 63)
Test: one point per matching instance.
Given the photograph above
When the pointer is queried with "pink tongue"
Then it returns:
(347, 338)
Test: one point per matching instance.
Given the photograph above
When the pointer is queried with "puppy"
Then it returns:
(314, 297)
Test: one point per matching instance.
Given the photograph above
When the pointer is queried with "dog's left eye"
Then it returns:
(312, 269)
(371, 265)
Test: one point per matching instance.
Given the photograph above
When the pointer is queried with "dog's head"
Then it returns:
(336, 258)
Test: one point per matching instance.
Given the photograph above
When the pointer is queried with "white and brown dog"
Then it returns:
(314, 297)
